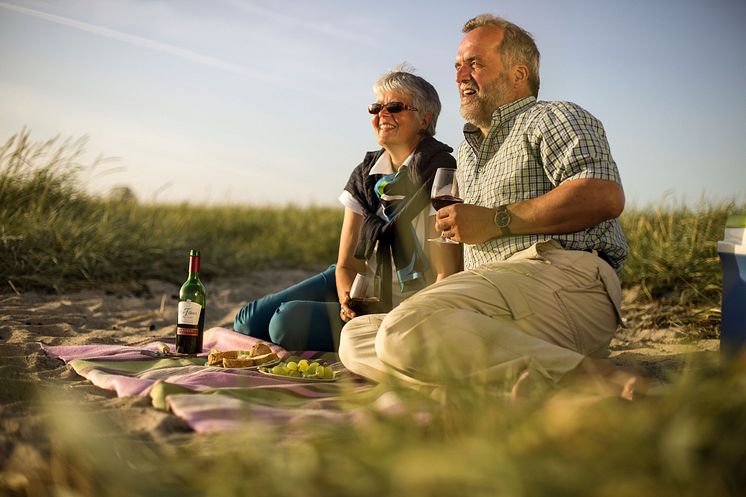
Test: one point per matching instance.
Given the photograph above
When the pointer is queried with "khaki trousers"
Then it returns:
(544, 308)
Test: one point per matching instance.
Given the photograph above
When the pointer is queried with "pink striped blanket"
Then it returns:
(210, 398)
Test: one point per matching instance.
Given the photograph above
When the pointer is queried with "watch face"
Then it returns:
(502, 218)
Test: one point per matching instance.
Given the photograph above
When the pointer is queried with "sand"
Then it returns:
(117, 315)
(140, 315)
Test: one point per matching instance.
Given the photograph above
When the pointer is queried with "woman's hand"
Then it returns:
(347, 265)
(346, 313)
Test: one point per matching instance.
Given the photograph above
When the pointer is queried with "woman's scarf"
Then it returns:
(402, 195)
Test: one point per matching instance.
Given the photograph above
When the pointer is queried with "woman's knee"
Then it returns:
(303, 325)
(284, 329)
(245, 320)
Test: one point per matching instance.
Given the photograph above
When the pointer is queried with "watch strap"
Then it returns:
(502, 220)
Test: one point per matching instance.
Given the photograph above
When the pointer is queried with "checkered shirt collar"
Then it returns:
(502, 115)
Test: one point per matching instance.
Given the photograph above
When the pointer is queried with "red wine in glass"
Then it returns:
(365, 294)
(444, 200)
(444, 192)
(365, 305)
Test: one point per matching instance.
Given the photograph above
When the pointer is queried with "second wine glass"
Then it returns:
(365, 294)
(445, 192)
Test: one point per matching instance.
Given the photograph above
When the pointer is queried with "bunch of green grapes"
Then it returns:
(302, 369)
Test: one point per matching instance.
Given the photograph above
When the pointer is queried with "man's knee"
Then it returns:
(396, 342)
(357, 339)
(349, 339)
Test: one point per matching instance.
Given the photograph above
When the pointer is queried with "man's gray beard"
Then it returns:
(479, 112)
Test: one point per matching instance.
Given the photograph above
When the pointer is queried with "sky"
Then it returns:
(264, 102)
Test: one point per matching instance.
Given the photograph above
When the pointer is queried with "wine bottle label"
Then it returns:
(189, 313)
(192, 332)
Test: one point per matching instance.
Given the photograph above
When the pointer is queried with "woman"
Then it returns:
(387, 220)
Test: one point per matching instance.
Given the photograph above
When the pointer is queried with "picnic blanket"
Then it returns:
(211, 398)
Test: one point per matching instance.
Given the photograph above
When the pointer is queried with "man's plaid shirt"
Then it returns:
(532, 147)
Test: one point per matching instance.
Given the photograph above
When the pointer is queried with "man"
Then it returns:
(541, 241)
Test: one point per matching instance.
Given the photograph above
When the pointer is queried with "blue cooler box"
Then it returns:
(732, 251)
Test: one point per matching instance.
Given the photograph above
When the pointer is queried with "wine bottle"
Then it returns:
(190, 322)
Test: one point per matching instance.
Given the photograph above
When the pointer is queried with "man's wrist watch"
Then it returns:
(502, 220)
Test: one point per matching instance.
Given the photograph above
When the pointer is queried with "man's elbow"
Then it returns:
(615, 201)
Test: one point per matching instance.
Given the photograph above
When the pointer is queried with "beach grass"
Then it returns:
(673, 250)
(54, 236)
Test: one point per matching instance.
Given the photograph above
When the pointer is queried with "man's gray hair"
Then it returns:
(423, 94)
(517, 46)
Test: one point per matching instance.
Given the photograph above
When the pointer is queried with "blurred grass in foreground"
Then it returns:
(54, 236)
(686, 442)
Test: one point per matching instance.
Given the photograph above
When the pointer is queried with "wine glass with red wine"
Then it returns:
(365, 294)
(444, 192)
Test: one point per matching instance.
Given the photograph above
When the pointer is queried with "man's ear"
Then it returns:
(519, 75)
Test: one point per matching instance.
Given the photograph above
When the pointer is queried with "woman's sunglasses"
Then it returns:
(391, 107)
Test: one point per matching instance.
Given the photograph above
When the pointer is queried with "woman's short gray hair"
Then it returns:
(517, 46)
(423, 94)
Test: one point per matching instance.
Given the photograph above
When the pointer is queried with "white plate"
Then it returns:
(298, 378)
